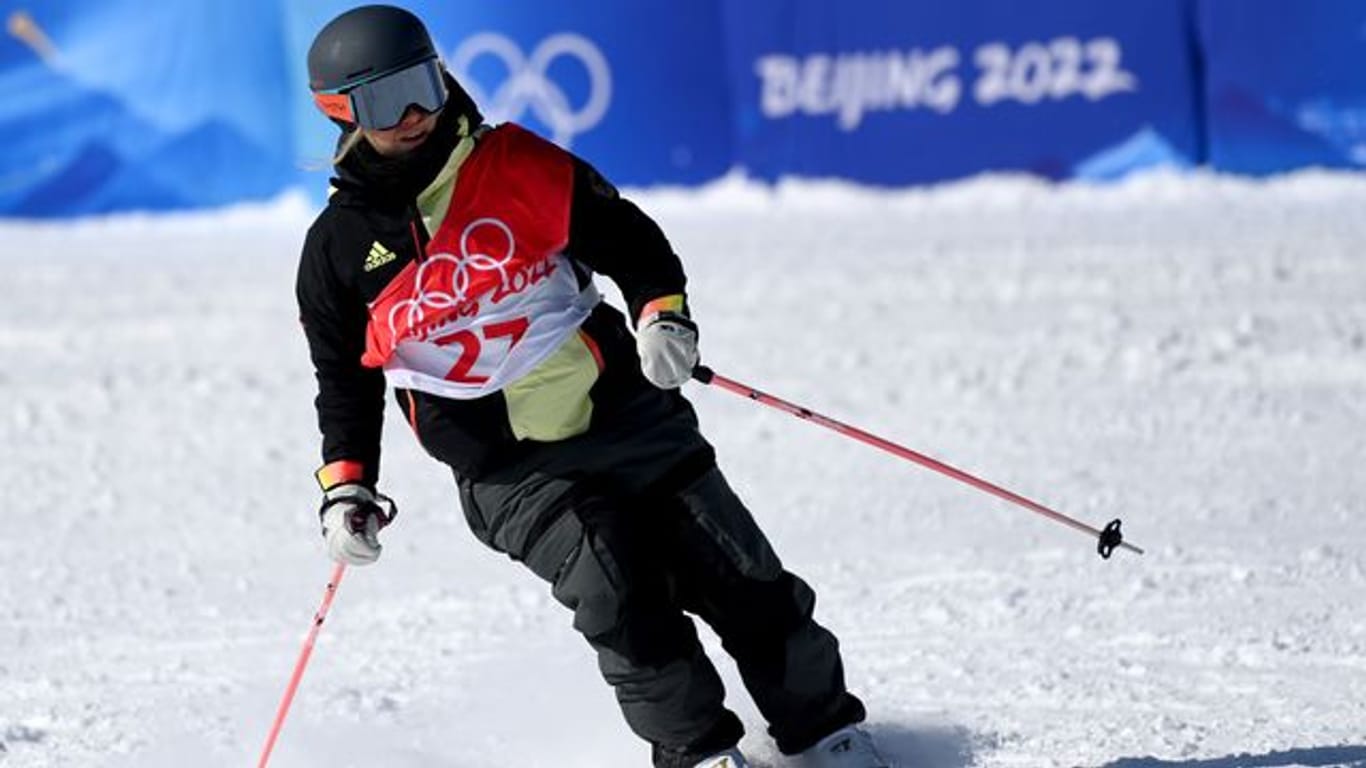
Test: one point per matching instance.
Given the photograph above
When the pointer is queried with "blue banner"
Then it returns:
(1285, 83)
(112, 105)
(893, 93)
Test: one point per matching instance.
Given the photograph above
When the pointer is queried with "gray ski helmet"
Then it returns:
(364, 43)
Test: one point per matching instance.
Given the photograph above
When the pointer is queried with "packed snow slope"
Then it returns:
(1186, 353)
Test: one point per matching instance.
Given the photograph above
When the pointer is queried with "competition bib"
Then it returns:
(495, 295)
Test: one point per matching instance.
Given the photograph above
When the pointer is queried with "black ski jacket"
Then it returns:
(372, 211)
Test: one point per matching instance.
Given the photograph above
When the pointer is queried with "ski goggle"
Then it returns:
(379, 103)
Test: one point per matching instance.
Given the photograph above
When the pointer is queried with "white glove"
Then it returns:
(352, 516)
(667, 344)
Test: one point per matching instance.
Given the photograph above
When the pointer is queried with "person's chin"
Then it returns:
(398, 147)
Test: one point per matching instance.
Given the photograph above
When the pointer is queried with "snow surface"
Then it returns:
(1185, 352)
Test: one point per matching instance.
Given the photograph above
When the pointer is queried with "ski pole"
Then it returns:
(318, 619)
(1108, 539)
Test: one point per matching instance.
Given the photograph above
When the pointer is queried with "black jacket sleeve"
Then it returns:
(350, 399)
(611, 235)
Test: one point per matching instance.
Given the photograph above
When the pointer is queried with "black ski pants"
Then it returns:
(636, 527)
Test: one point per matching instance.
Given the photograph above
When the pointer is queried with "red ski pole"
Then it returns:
(1108, 539)
(318, 619)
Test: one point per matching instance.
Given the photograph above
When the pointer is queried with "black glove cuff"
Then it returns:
(677, 318)
(378, 505)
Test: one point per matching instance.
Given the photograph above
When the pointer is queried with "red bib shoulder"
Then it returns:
(517, 177)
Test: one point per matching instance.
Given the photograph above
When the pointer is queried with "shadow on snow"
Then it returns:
(926, 747)
(1338, 757)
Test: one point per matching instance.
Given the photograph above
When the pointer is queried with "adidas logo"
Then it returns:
(379, 256)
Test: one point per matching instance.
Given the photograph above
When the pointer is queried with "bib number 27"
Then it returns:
(472, 347)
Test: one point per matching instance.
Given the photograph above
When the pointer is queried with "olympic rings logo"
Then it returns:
(528, 85)
(467, 263)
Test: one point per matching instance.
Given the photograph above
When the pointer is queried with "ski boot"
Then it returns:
(849, 747)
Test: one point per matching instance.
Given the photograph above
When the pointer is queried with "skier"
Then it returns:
(455, 261)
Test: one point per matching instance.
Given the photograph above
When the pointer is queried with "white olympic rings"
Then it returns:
(465, 263)
(528, 84)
